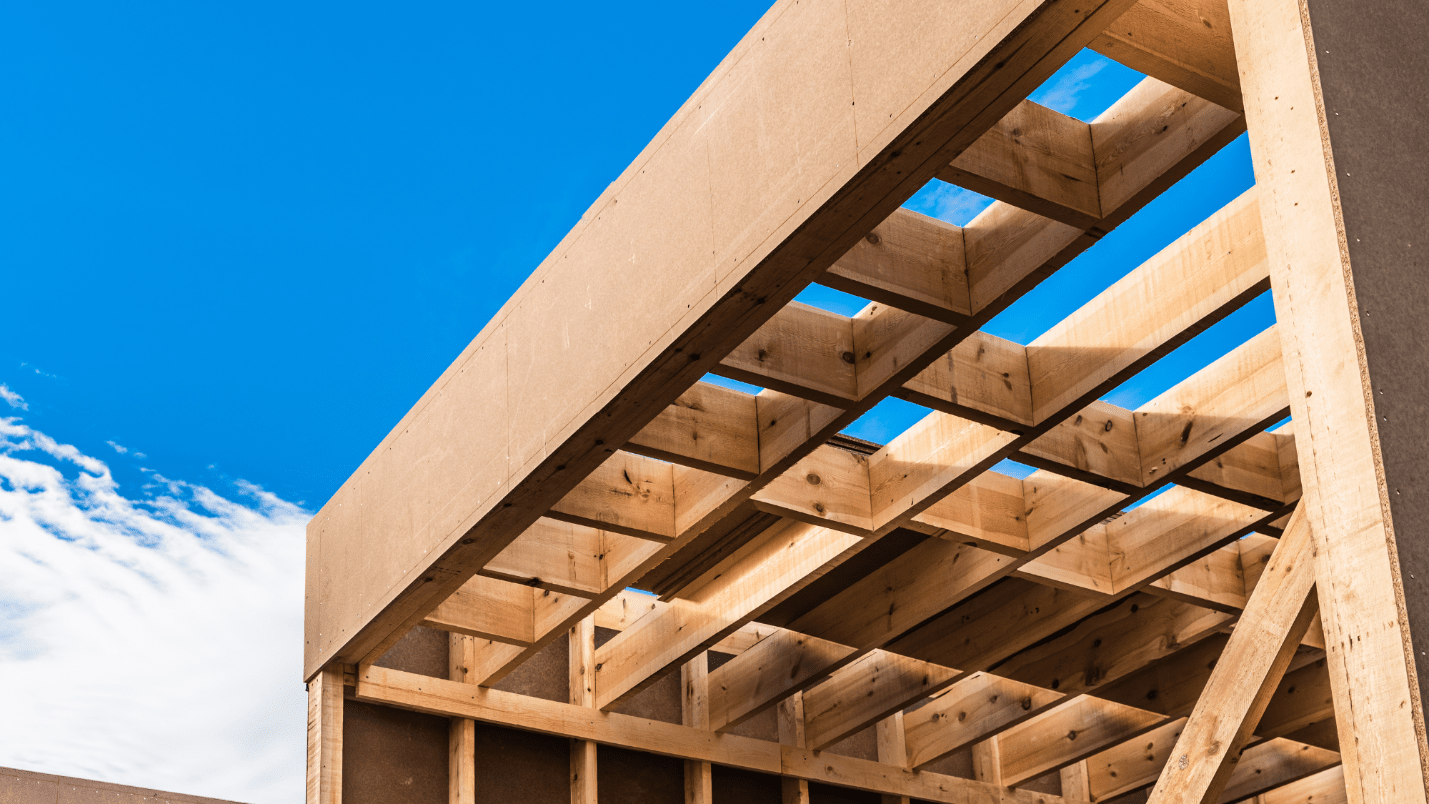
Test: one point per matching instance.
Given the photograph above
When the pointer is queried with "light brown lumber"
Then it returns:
(717, 263)
(877, 681)
(1152, 125)
(708, 427)
(628, 494)
(828, 488)
(1069, 732)
(1346, 497)
(1135, 764)
(584, 770)
(1192, 283)
(324, 782)
(695, 713)
(1208, 408)
(1256, 657)
(461, 738)
(1036, 159)
(736, 696)
(801, 350)
(1186, 43)
(789, 720)
(1076, 784)
(967, 711)
(911, 262)
(440, 697)
(1325, 787)
(891, 748)
(923, 487)
(686, 627)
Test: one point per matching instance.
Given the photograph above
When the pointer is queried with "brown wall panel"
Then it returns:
(392, 756)
(633, 777)
(744, 787)
(1374, 67)
(521, 767)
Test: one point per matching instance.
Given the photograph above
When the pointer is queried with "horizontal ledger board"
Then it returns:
(722, 226)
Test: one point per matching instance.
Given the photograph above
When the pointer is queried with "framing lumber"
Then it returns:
(1256, 657)
(1346, 494)
(1139, 611)
(585, 767)
(324, 783)
(461, 739)
(778, 220)
(449, 699)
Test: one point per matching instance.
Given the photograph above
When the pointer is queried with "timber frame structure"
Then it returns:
(1184, 601)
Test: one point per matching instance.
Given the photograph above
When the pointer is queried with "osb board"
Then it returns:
(27, 787)
(1373, 64)
(660, 278)
(392, 756)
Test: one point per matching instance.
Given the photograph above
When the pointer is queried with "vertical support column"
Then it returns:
(582, 693)
(1077, 784)
(325, 736)
(1335, 372)
(695, 712)
(791, 732)
(461, 743)
(987, 761)
(892, 749)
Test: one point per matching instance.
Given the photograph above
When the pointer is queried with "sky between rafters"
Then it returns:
(238, 241)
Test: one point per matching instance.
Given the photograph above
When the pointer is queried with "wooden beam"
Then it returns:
(1186, 43)
(1256, 657)
(1347, 494)
(892, 749)
(1036, 159)
(911, 262)
(325, 737)
(585, 777)
(630, 661)
(789, 720)
(773, 220)
(1192, 283)
(461, 737)
(907, 493)
(695, 713)
(440, 697)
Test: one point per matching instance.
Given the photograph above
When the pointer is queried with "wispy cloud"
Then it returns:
(948, 202)
(157, 640)
(1066, 88)
(15, 400)
(117, 448)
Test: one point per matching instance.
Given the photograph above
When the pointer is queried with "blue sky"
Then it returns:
(238, 241)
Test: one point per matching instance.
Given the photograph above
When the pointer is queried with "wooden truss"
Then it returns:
(1143, 607)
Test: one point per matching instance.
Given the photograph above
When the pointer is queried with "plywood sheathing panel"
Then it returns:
(402, 533)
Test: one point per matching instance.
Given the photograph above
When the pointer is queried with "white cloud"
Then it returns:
(948, 202)
(148, 641)
(15, 400)
(1065, 89)
(117, 448)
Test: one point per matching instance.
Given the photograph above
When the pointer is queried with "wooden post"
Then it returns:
(987, 761)
(695, 712)
(582, 693)
(1077, 784)
(791, 732)
(1255, 659)
(461, 743)
(892, 749)
(1334, 380)
(325, 736)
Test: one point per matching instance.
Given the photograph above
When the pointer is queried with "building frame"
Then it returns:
(1184, 601)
